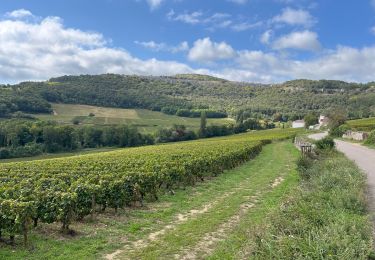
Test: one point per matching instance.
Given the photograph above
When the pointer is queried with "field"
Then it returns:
(145, 120)
(365, 124)
(206, 199)
(61, 190)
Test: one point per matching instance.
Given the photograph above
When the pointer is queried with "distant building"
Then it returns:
(357, 136)
(298, 124)
(323, 120)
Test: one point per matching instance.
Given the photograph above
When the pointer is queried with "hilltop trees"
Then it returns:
(310, 119)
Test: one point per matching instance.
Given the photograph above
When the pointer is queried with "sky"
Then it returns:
(265, 41)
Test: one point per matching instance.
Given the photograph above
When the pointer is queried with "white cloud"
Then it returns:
(206, 51)
(154, 3)
(241, 2)
(295, 17)
(239, 27)
(20, 13)
(266, 36)
(40, 50)
(155, 46)
(214, 21)
(190, 18)
(304, 40)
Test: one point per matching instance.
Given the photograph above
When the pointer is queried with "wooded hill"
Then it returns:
(187, 95)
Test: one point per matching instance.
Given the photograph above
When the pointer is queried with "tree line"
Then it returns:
(23, 138)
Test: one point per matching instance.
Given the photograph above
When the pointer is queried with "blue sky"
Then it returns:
(245, 40)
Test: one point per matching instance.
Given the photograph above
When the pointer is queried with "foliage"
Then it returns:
(61, 190)
(325, 219)
(325, 143)
(22, 138)
(310, 119)
(339, 131)
(371, 138)
(365, 124)
(191, 93)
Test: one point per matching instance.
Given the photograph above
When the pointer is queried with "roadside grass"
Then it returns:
(110, 232)
(326, 218)
(145, 120)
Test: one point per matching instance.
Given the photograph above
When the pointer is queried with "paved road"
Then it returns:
(364, 158)
(318, 136)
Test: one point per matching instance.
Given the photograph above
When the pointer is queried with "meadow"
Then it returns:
(145, 120)
(234, 197)
(365, 124)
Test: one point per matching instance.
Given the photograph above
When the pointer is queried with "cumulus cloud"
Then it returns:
(155, 46)
(39, 50)
(295, 17)
(304, 40)
(20, 13)
(206, 51)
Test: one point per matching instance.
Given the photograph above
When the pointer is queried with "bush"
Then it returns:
(371, 138)
(339, 131)
(304, 163)
(325, 143)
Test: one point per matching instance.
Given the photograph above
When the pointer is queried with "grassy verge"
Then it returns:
(222, 196)
(326, 219)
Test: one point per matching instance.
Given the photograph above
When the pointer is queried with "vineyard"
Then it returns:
(66, 189)
(365, 124)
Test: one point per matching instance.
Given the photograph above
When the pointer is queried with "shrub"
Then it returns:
(371, 138)
(304, 163)
(339, 131)
(325, 143)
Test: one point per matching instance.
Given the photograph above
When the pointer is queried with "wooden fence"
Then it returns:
(304, 146)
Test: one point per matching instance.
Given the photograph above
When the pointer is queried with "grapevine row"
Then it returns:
(65, 189)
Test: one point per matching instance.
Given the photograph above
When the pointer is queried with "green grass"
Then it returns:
(145, 120)
(326, 218)
(365, 124)
(225, 194)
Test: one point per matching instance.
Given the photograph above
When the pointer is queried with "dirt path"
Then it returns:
(196, 233)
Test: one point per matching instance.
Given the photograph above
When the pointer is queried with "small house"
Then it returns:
(298, 124)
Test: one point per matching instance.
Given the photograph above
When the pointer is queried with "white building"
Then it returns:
(298, 124)
(323, 120)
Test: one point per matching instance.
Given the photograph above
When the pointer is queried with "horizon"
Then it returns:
(266, 42)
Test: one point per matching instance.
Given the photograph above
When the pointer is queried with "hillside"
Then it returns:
(144, 120)
(187, 95)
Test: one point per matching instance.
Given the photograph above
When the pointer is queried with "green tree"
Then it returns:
(203, 125)
(310, 119)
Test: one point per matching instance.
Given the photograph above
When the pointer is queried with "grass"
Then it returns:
(365, 124)
(145, 120)
(223, 197)
(326, 218)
